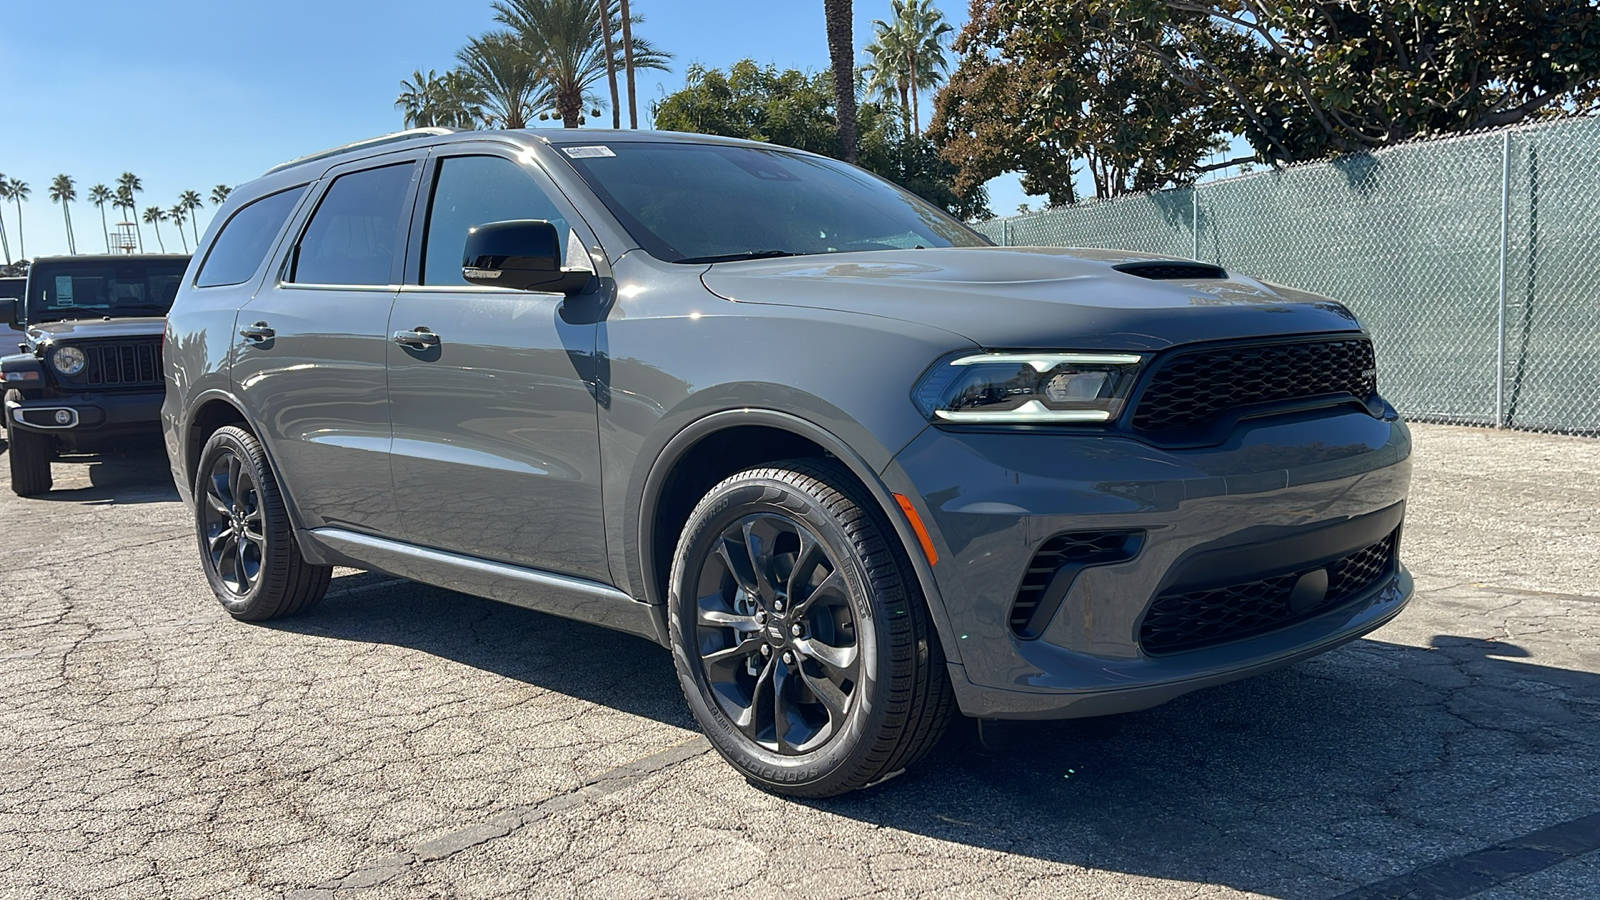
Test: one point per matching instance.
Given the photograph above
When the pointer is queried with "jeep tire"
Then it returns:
(247, 545)
(29, 454)
(799, 632)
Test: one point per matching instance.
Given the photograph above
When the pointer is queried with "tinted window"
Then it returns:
(237, 251)
(700, 202)
(76, 290)
(476, 190)
(356, 230)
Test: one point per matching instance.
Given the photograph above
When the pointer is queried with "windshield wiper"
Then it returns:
(735, 257)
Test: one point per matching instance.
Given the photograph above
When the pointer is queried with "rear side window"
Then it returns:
(354, 234)
(477, 190)
(245, 239)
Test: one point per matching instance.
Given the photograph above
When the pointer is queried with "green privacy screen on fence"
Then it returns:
(1474, 261)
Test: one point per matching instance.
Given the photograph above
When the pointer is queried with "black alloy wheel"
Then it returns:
(800, 635)
(247, 546)
(776, 634)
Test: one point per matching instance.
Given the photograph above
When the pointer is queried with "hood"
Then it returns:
(1031, 297)
(96, 329)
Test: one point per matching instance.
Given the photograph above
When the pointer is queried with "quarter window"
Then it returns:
(476, 190)
(353, 235)
(245, 239)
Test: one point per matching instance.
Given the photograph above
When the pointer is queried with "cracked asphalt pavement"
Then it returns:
(406, 741)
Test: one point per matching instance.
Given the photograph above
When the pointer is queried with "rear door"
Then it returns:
(312, 346)
(496, 446)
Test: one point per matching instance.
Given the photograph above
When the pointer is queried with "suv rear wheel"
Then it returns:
(246, 545)
(28, 454)
(799, 633)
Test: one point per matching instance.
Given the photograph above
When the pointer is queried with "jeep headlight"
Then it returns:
(68, 360)
(1044, 388)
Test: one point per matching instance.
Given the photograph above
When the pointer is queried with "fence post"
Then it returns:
(1194, 217)
(1005, 232)
(1500, 319)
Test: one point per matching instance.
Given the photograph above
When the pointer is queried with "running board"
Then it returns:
(561, 595)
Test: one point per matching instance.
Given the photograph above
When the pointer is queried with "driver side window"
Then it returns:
(477, 190)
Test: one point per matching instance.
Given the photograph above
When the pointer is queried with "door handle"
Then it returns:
(257, 333)
(419, 338)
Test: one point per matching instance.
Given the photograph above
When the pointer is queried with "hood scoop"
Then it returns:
(1166, 270)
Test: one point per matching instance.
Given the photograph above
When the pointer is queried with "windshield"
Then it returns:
(77, 290)
(708, 203)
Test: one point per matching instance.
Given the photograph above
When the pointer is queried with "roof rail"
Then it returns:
(380, 140)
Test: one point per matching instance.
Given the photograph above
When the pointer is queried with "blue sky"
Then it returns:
(193, 93)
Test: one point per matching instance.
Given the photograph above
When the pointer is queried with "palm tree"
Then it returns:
(908, 55)
(125, 204)
(505, 73)
(63, 191)
(841, 52)
(130, 186)
(18, 190)
(219, 194)
(452, 100)
(611, 65)
(565, 39)
(155, 215)
(191, 203)
(628, 62)
(418, 98)
(178, 213)
(100, 195)
(5, 242)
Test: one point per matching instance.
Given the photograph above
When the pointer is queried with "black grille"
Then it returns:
(1191, 389)
(1189, 621)
(1072, 550)
(1173, 271)
(131, 364)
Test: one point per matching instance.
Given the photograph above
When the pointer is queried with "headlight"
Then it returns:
(1028, 388)
(68, 360)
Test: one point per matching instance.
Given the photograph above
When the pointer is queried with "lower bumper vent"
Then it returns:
(1051, 572)
(1196, 619)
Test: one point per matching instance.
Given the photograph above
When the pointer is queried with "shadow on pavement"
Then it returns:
(1362, 765)
(131, 472)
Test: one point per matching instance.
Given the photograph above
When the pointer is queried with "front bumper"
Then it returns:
(100, 414)
(1260, 504)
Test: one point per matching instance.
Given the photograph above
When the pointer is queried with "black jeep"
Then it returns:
(90, 368)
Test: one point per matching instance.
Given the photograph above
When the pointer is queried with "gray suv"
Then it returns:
(857, 468)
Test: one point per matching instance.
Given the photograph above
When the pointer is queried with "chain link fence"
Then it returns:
(1474, 261)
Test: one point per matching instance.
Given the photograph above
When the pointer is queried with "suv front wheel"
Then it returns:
(799, 633)
(246, 544)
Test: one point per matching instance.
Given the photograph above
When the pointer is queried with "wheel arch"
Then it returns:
(678, 478)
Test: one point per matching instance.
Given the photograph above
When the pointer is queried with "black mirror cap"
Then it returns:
(521, 254)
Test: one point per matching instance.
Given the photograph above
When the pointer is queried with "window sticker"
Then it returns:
(63, 291)
(588, 152)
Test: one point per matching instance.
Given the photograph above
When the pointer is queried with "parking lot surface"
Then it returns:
(406, 741)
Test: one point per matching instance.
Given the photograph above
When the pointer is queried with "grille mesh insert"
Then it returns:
(1194, 388)
(1076, 549)
(1189, 621)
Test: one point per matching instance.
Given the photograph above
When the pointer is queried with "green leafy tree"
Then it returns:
(191, 203)
(154, 216)
(1325, 77)
(63, 191)
(505, 73)
(1044, 89)
(796, 109)
(907, 55)
(18, 191)
(101, 196)
(129, 187)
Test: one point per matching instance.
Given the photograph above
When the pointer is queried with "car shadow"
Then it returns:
(1363, 764)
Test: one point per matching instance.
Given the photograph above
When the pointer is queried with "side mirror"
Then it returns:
(521, 254)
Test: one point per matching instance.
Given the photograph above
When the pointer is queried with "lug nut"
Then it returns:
(796, 630)
(761, 616)
(777, 605)
(766, 650)
(788, 658)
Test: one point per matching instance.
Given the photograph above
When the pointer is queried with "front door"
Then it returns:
(313, 347)
(496, 444)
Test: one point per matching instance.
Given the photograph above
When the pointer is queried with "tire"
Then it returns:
(247, 545)
(852, 666)
(29, 454)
